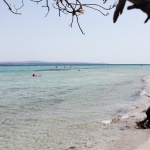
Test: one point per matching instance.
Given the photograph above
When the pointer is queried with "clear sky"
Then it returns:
(32, 36)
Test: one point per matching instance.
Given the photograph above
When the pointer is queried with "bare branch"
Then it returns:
(9, 7)
(73, 7)
(47, 6)
(79, 25)
(19, 7)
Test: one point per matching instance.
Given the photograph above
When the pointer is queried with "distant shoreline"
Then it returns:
(40, 63)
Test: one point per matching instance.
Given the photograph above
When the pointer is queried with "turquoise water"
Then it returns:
(66, 105)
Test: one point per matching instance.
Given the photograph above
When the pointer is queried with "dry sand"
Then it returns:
(145, 145)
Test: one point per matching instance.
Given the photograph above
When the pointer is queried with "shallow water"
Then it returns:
(67, 105)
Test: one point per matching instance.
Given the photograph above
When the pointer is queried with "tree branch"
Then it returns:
(73, 7)
(9, 7)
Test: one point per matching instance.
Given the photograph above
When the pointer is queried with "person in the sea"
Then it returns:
(33, 75)
(36, 75)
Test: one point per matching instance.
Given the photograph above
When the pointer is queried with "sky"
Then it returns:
(34, 37)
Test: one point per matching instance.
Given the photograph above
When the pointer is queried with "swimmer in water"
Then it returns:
(33, 75)
(36, 75)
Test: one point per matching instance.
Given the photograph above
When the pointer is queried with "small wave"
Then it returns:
(146, 80)
(143, 92)
(130, 112)
(133, 111)
(107, 121)
(125, 116)
(118, 119)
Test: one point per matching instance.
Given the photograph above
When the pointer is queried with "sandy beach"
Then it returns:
(145, 146)
(128, 137)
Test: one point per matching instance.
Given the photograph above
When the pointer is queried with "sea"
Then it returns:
(67, 105)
